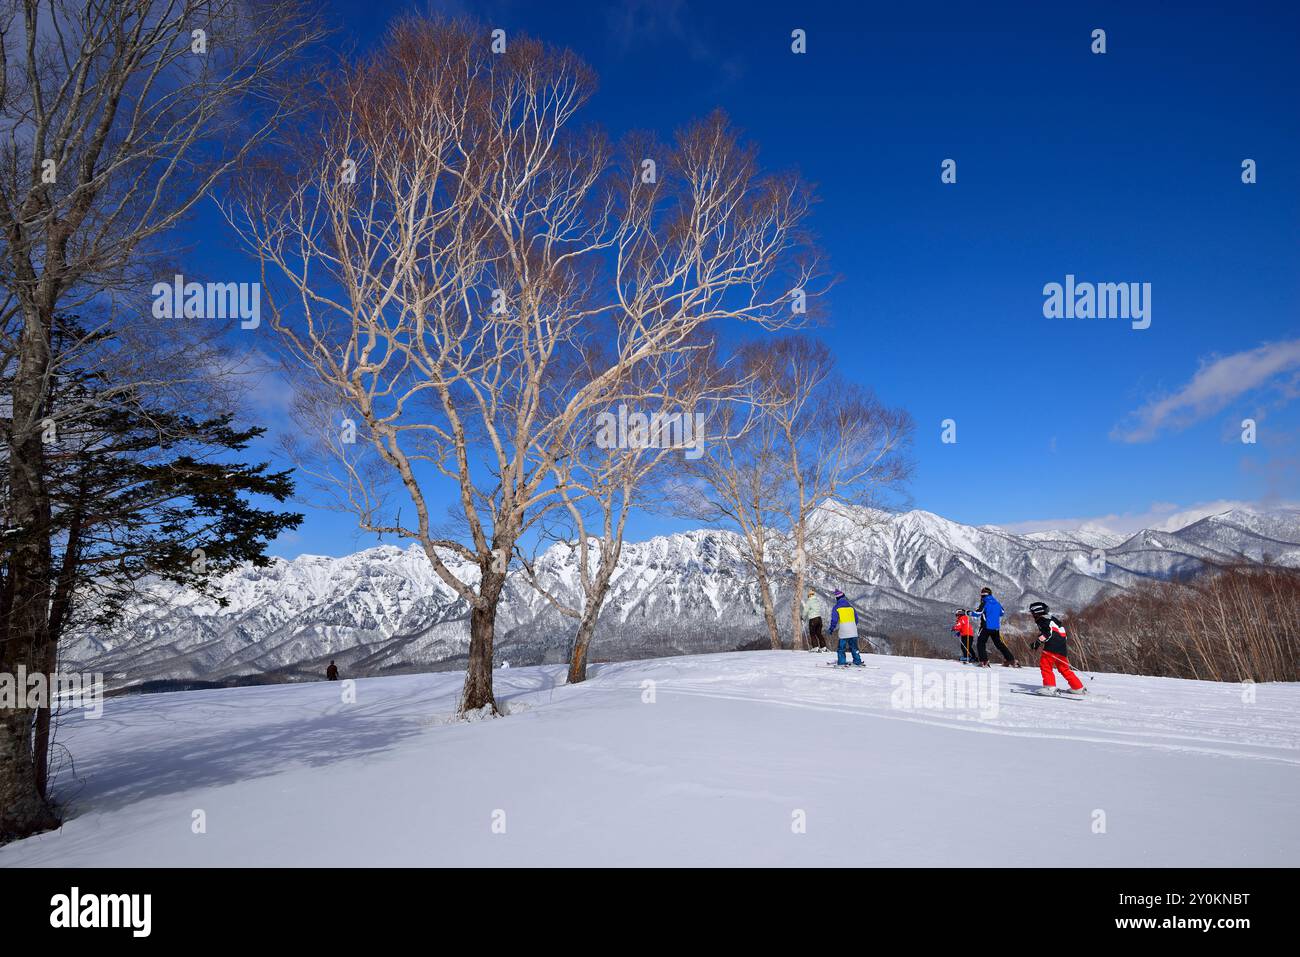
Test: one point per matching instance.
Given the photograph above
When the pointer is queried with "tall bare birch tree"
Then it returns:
(844, 450)
(797, 467)
(741, 482)
(613, 468)
(446, 241)
(115, 119)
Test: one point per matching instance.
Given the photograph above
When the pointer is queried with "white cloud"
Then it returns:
(1160, 516)
(1217, 382)
(669, 22)
(268, 391)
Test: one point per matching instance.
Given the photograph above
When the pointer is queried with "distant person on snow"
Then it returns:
(1054, 651)
(962, 628)
(332, 672)
(812, 615)
(990, 612)
(844, 624)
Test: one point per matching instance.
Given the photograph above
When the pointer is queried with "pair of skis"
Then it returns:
(1046, 692)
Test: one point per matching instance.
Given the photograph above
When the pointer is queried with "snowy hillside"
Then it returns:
(384, 610)
(738, 759)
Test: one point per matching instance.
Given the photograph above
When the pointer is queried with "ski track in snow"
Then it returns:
(1286, 751)
(711, 772)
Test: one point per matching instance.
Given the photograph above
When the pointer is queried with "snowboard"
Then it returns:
(831, 664)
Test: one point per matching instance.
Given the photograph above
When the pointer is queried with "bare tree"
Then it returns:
(449, 244)
(115, 119)
(741, 481)
(814, 457)
(1236, 623)
(614, 466)
(844, 450)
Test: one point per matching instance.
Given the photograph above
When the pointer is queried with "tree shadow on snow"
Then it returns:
(117, 779)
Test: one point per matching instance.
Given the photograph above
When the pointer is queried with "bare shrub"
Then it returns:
(1233, 625)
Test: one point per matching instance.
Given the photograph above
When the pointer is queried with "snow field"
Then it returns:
(757, 758)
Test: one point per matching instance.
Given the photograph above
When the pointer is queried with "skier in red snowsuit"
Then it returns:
(964, 633)
(1054, 650)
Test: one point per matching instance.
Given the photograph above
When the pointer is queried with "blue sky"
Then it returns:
(1122, 167)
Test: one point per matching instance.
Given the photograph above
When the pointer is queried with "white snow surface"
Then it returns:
(715, 771)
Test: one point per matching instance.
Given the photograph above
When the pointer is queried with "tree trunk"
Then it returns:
(23, 811)
(591, 611)
(582, 644)
(800, 578)
(769, 609)
(60, 606)
(44, 715)
(797, 612)
(482, 631)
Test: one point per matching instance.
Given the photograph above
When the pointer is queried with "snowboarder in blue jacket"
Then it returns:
(844, 626)
(990, 612)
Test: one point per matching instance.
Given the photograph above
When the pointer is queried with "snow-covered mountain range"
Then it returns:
(383, 610)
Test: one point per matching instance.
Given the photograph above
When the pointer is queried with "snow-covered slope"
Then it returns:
(760, 758)
(384, 610)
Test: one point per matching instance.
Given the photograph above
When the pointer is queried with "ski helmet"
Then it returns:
(1038, 610)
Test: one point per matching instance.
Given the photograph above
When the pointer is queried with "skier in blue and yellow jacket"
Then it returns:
(844, 626)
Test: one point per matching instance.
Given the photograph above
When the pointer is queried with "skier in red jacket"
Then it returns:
(1054, 650)
(964, 632)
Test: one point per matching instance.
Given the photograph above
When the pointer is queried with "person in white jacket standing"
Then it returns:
(812, 616)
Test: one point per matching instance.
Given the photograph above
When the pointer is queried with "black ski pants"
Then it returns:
(815, 637)
(996, 634)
